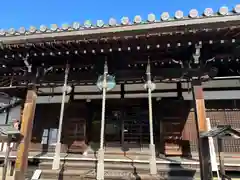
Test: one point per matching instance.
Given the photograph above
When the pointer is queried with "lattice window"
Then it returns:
(232, 117)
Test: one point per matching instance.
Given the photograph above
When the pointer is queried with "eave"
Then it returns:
(127, 47)
(170, 25)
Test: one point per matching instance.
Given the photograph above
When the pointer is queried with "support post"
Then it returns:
(26, 132)
(201, 125)
(221, 157)
(56, 158)
(153, 165)
(6, 159)
(122, 132)
(150, 86)
(100, 164)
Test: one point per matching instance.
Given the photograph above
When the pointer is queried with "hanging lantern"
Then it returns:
(67, 89)
(111, 83)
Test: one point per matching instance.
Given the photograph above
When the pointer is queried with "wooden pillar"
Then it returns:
(26, 131)
(201, 125)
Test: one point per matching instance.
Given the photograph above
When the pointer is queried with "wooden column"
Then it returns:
(201, 125)
(26, 131)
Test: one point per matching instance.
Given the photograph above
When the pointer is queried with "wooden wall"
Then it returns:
(178, 133)
(47, 117)
(175, 128)
(220, 112)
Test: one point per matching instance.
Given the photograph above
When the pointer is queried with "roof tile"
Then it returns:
(125, 21)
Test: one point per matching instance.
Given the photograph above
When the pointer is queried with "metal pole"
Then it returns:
(100, 164)
(6, 159)
(150, 87)
(122, 133)
(56, 159)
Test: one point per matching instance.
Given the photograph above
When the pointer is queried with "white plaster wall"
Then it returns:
(14, 113)
(2, 118)
(215, 95)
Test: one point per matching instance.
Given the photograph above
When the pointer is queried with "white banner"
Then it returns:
(53, 136)
(45, 136)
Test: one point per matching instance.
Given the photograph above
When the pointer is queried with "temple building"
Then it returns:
(167, 76)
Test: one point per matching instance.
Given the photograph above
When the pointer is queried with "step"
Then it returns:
(163, 169)
(109, 174)
(173, 173)
(62, 174)
(111, 165)
(168, 178)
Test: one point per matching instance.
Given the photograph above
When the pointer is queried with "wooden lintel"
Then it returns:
(26, 131)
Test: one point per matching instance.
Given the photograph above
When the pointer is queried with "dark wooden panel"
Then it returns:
(173, 115)
(74, 134)
(172, 134)
(175, 126)
(220, 112)
(47, 117)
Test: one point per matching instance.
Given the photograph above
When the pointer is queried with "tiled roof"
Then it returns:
(88, 28)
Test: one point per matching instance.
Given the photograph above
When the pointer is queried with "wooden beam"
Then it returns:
(201, 126)
(26, 131)
(200, 107)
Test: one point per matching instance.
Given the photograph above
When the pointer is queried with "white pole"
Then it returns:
(212, 151)
(150, 115)
(100, 164)
(56, 158)
(150, 87)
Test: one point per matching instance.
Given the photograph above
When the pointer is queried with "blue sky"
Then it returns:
(15, 13)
